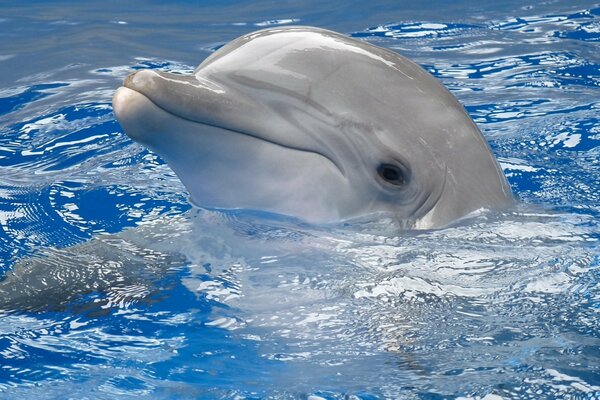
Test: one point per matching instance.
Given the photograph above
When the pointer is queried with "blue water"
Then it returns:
(114, 287)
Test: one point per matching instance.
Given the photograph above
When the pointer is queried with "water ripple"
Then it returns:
(416, 30)
(581, 25)
(58, 165)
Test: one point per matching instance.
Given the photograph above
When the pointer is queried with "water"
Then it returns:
(115, 288)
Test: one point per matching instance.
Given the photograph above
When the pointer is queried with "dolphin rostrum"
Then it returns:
(310, 123)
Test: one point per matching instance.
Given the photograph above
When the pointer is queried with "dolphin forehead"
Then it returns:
(300, 45)
(317, 66)
(350, 82)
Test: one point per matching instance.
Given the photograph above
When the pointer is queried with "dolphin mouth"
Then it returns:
(134, 92)
(144, 84)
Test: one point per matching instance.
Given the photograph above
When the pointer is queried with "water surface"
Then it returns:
(116, 288)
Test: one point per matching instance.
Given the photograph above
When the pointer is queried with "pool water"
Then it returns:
(115, 287)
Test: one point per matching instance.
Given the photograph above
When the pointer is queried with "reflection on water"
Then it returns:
(115, 287)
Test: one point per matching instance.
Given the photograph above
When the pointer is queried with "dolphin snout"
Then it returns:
(189, 97)
(143, 81)
(129, 78)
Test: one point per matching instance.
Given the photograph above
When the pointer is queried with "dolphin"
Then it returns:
(315, 125)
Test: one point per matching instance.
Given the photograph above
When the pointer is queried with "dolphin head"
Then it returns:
(309, 123)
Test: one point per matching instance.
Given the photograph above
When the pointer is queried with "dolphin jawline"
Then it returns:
(236, 131)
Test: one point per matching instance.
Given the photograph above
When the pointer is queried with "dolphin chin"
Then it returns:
(312, 124)
(127, 107)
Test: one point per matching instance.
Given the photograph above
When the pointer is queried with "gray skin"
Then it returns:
(310, 123)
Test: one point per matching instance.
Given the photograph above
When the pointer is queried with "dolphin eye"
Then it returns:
(392, 174)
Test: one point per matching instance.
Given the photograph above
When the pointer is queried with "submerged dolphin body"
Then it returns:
(313, 124)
